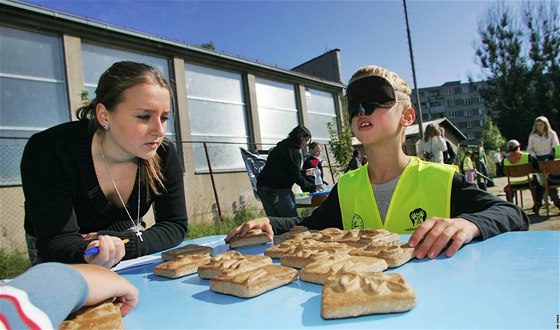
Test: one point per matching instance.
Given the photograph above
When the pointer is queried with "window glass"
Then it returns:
(217, 113)
(96, 59)
(278, 113)
(320, 110)
(33, 93)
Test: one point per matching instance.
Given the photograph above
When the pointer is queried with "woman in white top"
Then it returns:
(432, 147)
(542, 139)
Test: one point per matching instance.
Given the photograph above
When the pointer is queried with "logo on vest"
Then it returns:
(417, 217)
(357, 222)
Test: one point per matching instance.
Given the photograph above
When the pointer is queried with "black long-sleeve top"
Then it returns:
(63, 198)
(283, 168)
(489, 213)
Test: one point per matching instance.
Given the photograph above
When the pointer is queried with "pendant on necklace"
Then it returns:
(139, 234)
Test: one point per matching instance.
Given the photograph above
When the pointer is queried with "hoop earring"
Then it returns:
(105, 127)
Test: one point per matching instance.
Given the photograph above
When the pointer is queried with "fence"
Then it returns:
(216, 185)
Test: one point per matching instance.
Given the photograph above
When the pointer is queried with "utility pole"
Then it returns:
(418, 106)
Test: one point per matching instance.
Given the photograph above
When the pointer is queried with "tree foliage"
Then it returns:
(520, 61)
(208, 45)
(340, 144)
(492, 136)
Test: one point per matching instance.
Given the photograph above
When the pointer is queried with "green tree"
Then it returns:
(492, 137)
(520, 65)
(340, 144)
(208, 45)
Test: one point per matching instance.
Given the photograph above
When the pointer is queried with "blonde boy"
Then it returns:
(403, 194)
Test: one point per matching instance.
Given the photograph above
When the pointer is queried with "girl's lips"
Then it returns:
(152, 145)
(364, 124)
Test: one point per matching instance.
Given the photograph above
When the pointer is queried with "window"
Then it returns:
(467, 113)
(217, 113)
(96, 59)
(278, 113)
(34, 94)
(470, 124)
(453, 114)
(481, 111)
(321, 110)
(471, 136)
(464, 89)
(467, 101)
(450, 103)
(481, 123)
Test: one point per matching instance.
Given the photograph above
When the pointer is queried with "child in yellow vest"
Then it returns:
(397, 192)
(468, 166)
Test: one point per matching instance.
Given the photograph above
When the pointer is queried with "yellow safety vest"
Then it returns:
(557, 152)
(523, 160)
(423, 191)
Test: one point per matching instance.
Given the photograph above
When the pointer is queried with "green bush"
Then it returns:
(13, 264)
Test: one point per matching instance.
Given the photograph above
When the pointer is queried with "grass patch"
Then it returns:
(13, 264)
(222, 227)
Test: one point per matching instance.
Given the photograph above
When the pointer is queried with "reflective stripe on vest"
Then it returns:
(524, 159)
(423, 191)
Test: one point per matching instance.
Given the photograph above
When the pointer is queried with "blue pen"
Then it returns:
(95, 249)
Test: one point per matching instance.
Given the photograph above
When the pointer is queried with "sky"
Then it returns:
(288, 33)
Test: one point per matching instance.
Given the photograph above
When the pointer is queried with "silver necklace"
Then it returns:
(135, 225)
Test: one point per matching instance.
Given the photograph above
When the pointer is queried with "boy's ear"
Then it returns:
(408, 117)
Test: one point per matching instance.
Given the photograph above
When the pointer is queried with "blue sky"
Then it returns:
(288, 33)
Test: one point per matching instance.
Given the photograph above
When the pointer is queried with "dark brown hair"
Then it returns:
(109, 92)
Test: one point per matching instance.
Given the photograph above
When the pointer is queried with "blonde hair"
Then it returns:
(399, 85)
(547, 128)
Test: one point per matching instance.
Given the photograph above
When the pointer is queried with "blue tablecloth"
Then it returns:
(509, 282)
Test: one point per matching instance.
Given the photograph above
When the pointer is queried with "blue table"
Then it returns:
(510, 281)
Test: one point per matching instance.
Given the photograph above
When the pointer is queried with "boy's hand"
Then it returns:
(431, 237)
(105, 284)
(260, 223)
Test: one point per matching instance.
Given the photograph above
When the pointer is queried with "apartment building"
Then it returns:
(459, 102)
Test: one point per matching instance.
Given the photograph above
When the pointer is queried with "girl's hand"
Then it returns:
(111, 251)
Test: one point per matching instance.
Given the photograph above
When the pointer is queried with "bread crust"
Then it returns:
(351, 295)
(185, 250)
(182, 266)
(102, 316)
(231, 262)
(253, 237)
(254, 282)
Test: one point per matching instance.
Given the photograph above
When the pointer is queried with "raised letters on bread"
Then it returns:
(185, 250)
(231, 262)
(253, 237)
(396, 254)
(321, 270)
(182, 266)
(253, 282)
(103, 316)
(351, 295)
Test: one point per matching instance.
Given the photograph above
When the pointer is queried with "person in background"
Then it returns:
(89, 182)
(481, 166)
(542, 139)
(355, 162)
(468, 167)
(432, 147)
(394, 191)
(284, 168)
(449, 155)
(43, 296)
(554, 179)
(518, 157)
(313, 165)
(499, 162)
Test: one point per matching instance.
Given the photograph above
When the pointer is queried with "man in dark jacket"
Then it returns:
(284, 168)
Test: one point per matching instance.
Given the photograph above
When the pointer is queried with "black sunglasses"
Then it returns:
(369, 93)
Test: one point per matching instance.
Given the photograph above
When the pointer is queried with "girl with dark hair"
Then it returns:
(284, 168)
(88, 183)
